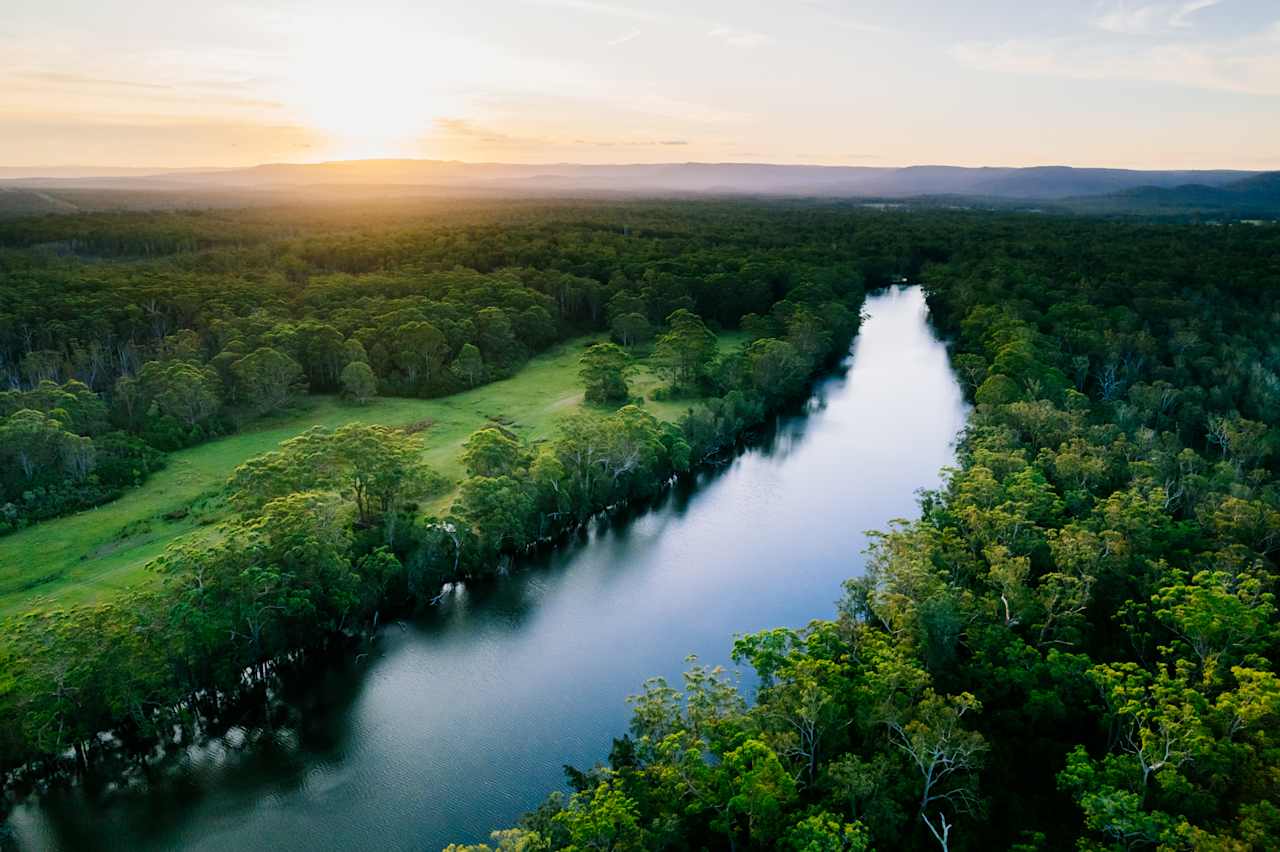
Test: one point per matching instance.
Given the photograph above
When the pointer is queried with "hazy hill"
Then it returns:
(1221, 192)
(1256, 196)
(752, 178)
(18, 201)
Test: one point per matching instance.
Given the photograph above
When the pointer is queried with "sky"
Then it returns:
(189, 83)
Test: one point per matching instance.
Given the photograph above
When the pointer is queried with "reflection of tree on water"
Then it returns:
(303, 722)
(284, 733)
(350, 715)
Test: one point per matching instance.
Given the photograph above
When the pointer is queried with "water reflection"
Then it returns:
(461, 721)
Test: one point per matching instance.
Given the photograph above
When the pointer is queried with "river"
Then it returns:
(461, 721)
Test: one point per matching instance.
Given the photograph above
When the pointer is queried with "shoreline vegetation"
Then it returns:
(343, 525)
(88, 556)
(1075, 646)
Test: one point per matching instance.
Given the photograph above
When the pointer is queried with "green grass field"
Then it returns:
(90, 555)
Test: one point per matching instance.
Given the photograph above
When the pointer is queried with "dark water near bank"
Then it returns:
(459, 723)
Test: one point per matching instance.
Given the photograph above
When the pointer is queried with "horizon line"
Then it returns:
(147, 170)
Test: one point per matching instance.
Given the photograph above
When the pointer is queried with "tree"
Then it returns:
(996, 389)
(944, 755)
(825, 832)
(631, 329)
(777, 368)
(809, 334)
(378, 468)
(266, 380)
(181, 390)
(321, 351)
(497, 510)
(493, 452)
(417, 351)
(496, 338)
(686, 351)
(358, 382)
(603, 819)
(760, 789)
(603, 371)
(468, 367)
(32, 441)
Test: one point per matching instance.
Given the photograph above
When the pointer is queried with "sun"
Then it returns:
(365, 88)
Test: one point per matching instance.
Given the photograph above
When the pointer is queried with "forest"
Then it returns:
(161, 333)
(1074, 646)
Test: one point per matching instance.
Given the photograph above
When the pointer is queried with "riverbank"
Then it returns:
(94, 555)
(446, 728)
(331, 530)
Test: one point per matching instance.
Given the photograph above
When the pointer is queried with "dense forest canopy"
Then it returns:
(177, 327)
(1074, 646)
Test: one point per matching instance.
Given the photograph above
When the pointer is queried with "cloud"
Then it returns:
(466, 129)
(614, 10)
(1249, 65)
(836, 15)
(114, 96)
(623, 39)
(152, 140)
(740, 38)
(629, 143)
(680, 110)
(1186, 10)
(67, 79)
(1127, 19)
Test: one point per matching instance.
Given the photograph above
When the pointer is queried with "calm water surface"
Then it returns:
(459, 723)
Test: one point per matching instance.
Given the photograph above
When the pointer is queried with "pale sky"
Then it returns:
(1181, 84)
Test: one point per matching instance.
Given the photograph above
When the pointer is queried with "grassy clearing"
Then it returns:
(90, 555)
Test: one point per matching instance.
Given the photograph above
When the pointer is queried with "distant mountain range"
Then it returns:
(1257, 196)
(1085, 189)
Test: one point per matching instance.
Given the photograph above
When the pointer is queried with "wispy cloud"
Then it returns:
(466, 129)
(740, 38)
(1181, 18)
(69, 79)
(623, 39)
(1149, 18)
(615, 10)
(837, 15)
(1249, 65)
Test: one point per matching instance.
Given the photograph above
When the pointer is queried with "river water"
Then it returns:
(460, 722)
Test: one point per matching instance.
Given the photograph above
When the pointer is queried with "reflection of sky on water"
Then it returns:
(462, 721)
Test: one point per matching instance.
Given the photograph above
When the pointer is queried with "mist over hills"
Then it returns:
(1081, 189)
(1033, 182)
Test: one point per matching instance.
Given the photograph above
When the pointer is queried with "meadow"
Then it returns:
(89, 556)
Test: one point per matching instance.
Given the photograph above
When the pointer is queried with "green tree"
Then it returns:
(760, 790)
(379, 469)
(603, 372)
(603, 819)
(631, 329)
(493, 452)
(266, 380)
(180, 389)
(468, 367)
(358, 382)
(825, 832)
(777, 368)
(945, 756)
(686, 351)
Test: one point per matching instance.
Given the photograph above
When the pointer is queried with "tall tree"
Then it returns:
(604, 373)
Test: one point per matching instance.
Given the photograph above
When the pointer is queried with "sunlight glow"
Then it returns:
(365, 88)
